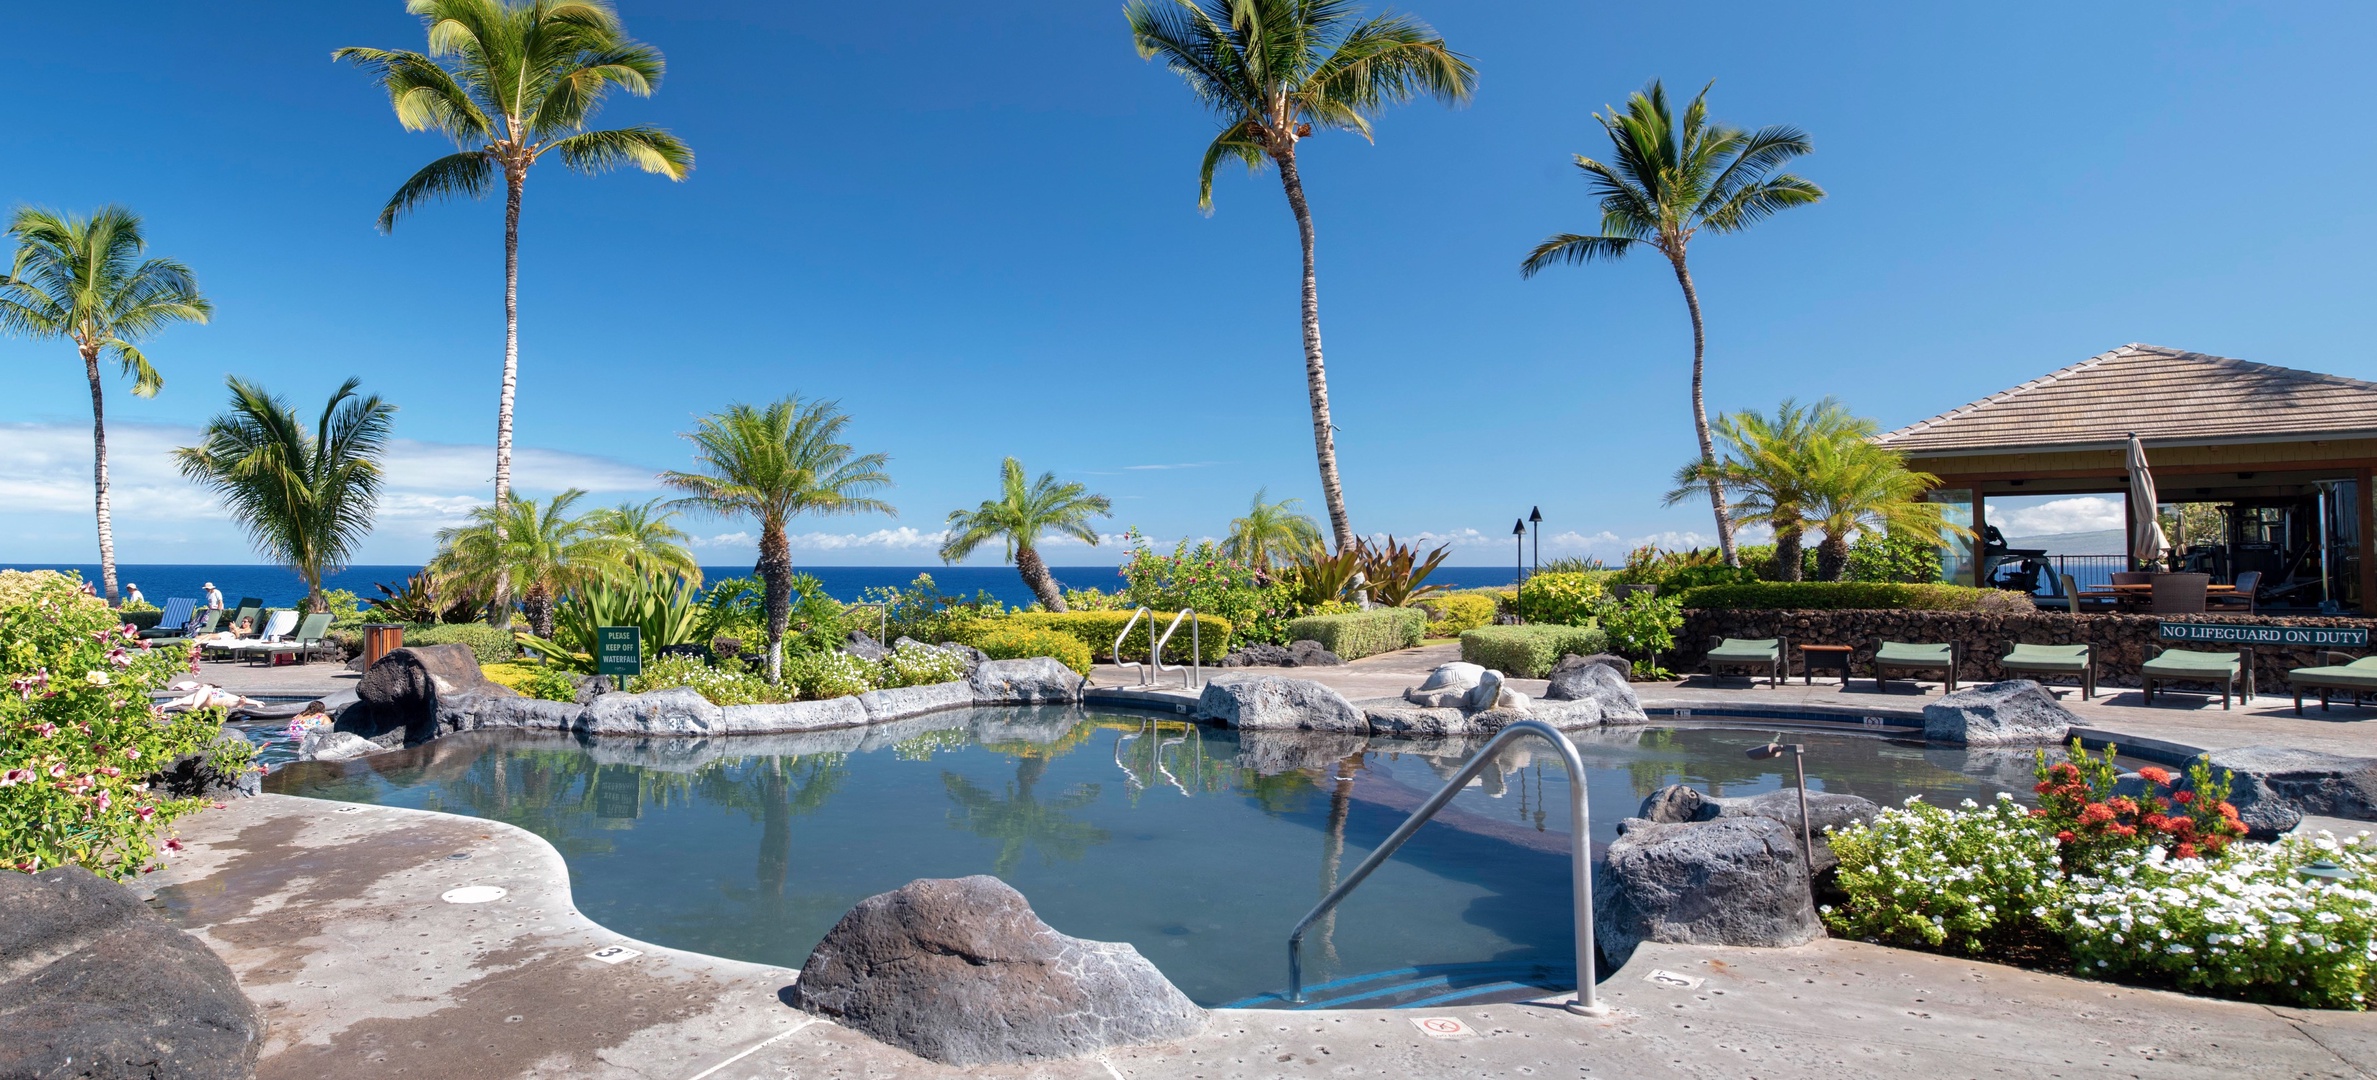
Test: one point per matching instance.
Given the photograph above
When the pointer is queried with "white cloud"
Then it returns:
(2083, 513)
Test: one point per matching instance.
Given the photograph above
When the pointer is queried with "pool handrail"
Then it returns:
(1196, 648)
(1126, 632)
(1580, 870)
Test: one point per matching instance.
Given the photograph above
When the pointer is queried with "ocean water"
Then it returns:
(277, 586)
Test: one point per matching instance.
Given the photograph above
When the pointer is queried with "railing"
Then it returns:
(1126, 632)
(1196, 648)
(1580, 863)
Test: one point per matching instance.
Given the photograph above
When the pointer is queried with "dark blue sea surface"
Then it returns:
(276, 585)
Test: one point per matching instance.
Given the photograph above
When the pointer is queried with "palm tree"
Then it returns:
(82, 279)
(774, 464)
(305, 498)
(1270, 532)
(1274, 71)
(1857, 485)
(1767, 470)
(1666, 184)
(510, 81)
(543, 546)
(648, 542)
(1019, 516)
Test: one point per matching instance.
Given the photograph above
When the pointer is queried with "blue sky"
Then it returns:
(975, 227)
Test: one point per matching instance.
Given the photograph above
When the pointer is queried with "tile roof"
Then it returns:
(2164, 395)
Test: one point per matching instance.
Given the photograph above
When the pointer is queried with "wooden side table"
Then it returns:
(1835, 657)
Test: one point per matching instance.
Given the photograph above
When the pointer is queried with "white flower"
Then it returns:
(96, 677)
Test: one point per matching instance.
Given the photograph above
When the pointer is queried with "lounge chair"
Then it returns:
(170, 621)
(1901, 656)
(1750, 655)
(2248, 583)
(302, 644)
(2231, 671)
(2356, 676)
(2180, 594)
(2049, 661)
(206, 625)
(277, 627)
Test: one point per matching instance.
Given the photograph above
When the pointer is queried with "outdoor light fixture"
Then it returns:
(1775, 749)
(1535, 529)
(1518, 535)
(2323, 870)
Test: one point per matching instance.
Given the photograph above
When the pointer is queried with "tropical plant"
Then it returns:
(1880, 556)
(1019, 517)
(1321, 577)
(1395, 574)
(1270, 532)
(83, 280)
(915, 664)
(1642, 625)
(1201, 577)
(418, 602)
(648, 542)
(729, 685)
(1001, 641)
(1273, 71)
(305, 498)
(510, 81)
(1666, 183)
(772, 464)
(1983, 880)
(1561, 599)
(1859, 486)
(732, 608)
(831, 673)
(1767, 470)
(664, 608)
(523, 541)
(920, 610)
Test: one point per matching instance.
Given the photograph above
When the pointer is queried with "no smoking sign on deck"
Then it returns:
(1441, 1027)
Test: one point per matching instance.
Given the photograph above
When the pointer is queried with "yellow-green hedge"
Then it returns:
(1363, 633)
(1096, 630)
(1529, 652)
(1002, 640)
(1452, 613)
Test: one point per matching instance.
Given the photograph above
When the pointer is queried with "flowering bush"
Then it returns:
(912, 664)
(1565, 599)
(830, 674)
(1643, 624)
(1256, 607)
(1961, 882)
(2081, 802)
(721, 685)
(79, 738)
(2245, 925)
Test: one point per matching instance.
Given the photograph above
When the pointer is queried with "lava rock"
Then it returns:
(2015, 712)
(335, 746)
(679, 710)
(591, 687)
(864, 647)
(1447, 687)
(1618, 665)
(470, 712)
(1731, 881)
(1590, 680)
(94, 985)
(192, 776)
(1278, 703)
(1040, 680)
(899, 703)
(792, 716)
(1391, 716)
(402, 690)
(1259, 654)
(1309, 653)
(962, 972)
(973, 657)
(1677, 803)
(2275, 787)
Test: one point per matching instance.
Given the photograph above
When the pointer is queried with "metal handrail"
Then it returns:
(1580, 877)
(1126, 632)
(1196, 647)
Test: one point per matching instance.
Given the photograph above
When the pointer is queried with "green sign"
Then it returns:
(2332, 637)
(618, 650)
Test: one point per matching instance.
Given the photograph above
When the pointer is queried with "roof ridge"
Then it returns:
(2006, 395)
(2274, 369)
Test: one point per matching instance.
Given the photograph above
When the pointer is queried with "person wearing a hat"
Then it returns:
(132, 594)
(214, 596)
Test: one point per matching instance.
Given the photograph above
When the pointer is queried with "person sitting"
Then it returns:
(244, 628)
(132, 595)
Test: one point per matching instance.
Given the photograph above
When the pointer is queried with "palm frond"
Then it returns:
(1574, 250)
(648, 148)
(470, 174)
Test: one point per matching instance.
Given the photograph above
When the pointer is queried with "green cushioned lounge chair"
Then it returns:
(2231, 671)
(2049, 661)
(2356, 677)
(1751, 655)
(1902, 656)
(206, 625)
(303, 644)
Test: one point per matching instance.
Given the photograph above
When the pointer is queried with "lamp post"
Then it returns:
(1798, 752)
(1535, 531)
(1518, 536)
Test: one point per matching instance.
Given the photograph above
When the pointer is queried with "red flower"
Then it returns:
(2122, 804)
(2228, 811)
(2186, 850)
(2183, 797)
(2156, 821)
(2154, 775)
(2096, 814)
(2066, 836)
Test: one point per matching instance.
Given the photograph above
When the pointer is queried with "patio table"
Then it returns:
(1834, 657)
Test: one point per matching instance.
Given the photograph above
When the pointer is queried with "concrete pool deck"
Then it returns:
(331, 916)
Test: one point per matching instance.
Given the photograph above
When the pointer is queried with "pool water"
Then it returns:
(1199, 846)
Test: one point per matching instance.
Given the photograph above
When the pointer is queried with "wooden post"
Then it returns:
(2368, 539)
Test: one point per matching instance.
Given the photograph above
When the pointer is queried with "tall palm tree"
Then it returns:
(1270, 532)
(1857, 485)
(543, 547)
(1768, 470)
(82, 279)
(305, 498)
(1019, 517)
(648, 541)
(510, 81)
(1665, 184)
(774, 464)
(1274, 71)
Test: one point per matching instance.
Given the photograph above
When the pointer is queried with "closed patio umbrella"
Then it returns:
(2146, 542)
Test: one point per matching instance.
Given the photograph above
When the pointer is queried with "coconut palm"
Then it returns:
(542, 547)
(1666, 183)
(1767, 468)
(1856, 485)
(82, 279)
(648, 541)
(306, 498)
(774, 464)
(1270, 532)
(1019, 517)
(510, 81)
(1274, 71)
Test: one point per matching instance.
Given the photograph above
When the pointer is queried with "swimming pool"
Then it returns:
(1199, 846)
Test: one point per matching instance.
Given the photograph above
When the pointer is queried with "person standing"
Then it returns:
(214, 596)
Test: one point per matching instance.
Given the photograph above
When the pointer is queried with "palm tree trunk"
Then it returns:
(107, 526)
(775, 574)
(1789, 564)
(1036, 577)
(1316, 377)
(1832, 556)
(1708, 448)
(514, 180)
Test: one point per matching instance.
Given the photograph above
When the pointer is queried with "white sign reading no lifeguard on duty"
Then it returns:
(2330, 637)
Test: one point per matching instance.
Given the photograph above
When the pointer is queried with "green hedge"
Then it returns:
(1856, 596)
(1564, 598)
(1096, 629)
(1362, 633)
(1004, 640)
(1452, 613)
(490, 645)
(1529, 652)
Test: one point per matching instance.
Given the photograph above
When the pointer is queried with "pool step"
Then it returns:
(1427, 986)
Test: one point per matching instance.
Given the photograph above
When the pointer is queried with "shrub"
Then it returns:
(1362, 633)
(1643, 624)
(345, 609)
(1884, 557)
(533, 680)
(1565, 599)
(2081, 803)
(721, 685)
(921, 611)
(913, 664)
(1529, 652)
(490, 645)
(1965, 882)
(1013, 641)
(828, 674)
(1452, 613)
(1856, 595)
(79, 740)
(140, 616)
(1203, 578)
(1096, 630)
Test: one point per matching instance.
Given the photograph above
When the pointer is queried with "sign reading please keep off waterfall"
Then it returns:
(2311, 637)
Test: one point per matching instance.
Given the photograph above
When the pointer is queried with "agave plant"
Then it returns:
(1320, 577)
(418, 603)
(666, 608)
(1394, 572)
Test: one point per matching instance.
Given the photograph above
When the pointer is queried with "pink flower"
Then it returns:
(173, 843)
(58, 771)
(146, 812)
(131, 754)
(110, 770)
(46, 730)
(119, 657)
(13, 777)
